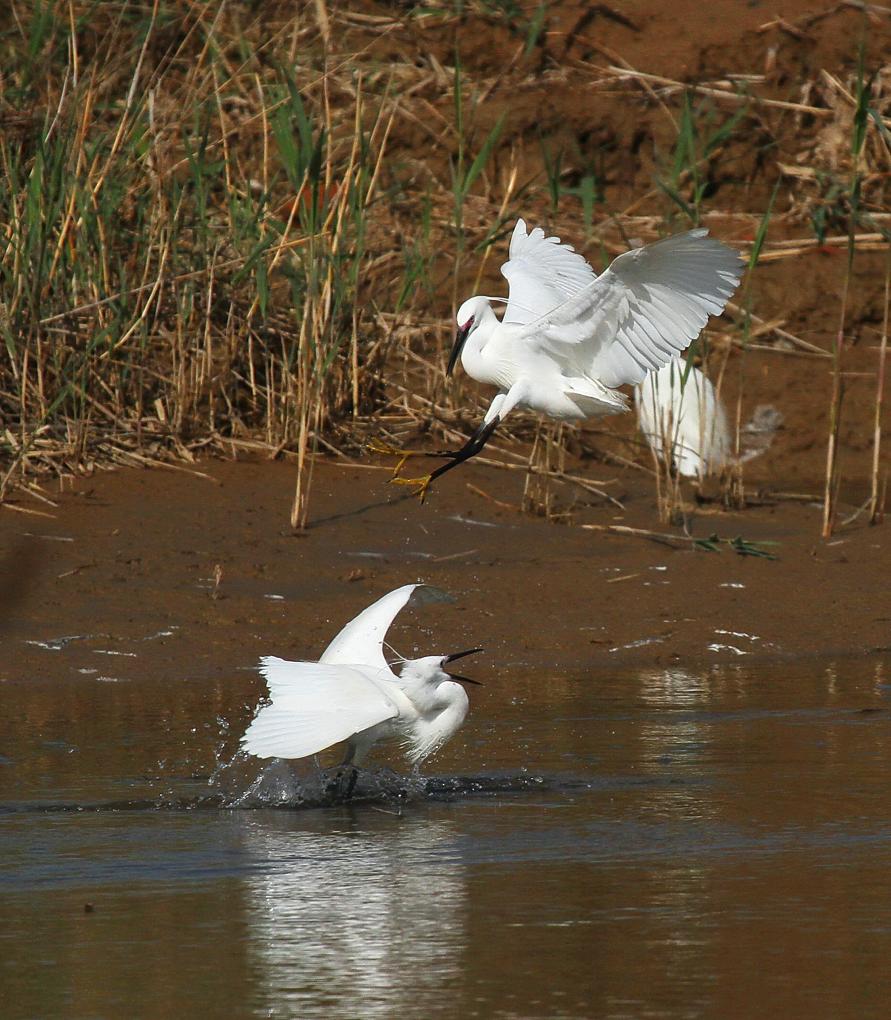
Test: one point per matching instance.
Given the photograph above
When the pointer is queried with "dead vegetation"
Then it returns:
(231, 229)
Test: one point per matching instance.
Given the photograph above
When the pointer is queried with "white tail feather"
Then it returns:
(314, 705)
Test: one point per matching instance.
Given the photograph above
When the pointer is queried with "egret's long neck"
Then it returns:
(476, 342)
(488, 322)
(438, 720)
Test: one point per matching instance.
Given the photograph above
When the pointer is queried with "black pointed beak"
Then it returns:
(464, 679)
(460, 340)
(460, 655)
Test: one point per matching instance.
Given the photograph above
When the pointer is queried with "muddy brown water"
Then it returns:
(621, 829)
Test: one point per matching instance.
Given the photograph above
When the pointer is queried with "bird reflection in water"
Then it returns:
(353, 923)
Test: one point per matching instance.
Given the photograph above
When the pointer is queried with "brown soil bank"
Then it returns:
(148, 329)
(134, 554)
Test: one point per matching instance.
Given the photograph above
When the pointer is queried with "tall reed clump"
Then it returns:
(182, 240)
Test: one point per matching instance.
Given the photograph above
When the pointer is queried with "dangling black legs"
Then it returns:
(470, 449)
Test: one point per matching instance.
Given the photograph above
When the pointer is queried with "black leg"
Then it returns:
(341, 787)
(351, 785)
(470, 449)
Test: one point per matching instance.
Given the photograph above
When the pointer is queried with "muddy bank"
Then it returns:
(207, 568)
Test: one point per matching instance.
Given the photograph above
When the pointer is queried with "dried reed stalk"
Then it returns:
(876, 499)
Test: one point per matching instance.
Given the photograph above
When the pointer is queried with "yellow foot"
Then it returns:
(388, 450)
(423, 484)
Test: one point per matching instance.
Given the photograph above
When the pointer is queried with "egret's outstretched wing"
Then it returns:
(313, 706)
(361, 640)
(643, 310)
(542, 274)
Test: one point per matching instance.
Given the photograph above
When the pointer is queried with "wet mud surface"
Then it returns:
(206, 573)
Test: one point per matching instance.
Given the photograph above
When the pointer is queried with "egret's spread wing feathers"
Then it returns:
(542, 274)
(361, 640)
(642, 311)
(314, 705)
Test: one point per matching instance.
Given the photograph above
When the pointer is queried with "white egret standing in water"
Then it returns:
(683, 416)
(568, 338)
(351, 694)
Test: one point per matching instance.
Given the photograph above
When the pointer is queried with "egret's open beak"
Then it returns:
(460, 655)
(464, 679)
(460, 340)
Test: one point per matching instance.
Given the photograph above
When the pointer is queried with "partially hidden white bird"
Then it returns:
(681, 417)
(351, 694)
(569, 338)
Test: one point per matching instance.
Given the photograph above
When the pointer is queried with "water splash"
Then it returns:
(278, 786)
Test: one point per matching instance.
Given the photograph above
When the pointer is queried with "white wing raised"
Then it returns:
(642, 311)
(361, 640)
(542, 274)
(313, 706)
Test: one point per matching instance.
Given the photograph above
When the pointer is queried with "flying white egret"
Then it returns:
(351, 694)
(568, 338)
(679, 410)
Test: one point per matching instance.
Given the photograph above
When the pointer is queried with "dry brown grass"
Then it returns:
(219, 222)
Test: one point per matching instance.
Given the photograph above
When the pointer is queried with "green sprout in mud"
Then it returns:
(739, 545)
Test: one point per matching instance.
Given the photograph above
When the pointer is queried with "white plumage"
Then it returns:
(315, 705)
(569, 338)
(685, 417)
(542, 273)
(351, 694)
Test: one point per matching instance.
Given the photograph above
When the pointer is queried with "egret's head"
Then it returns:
(432, 668)
(468, 318)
